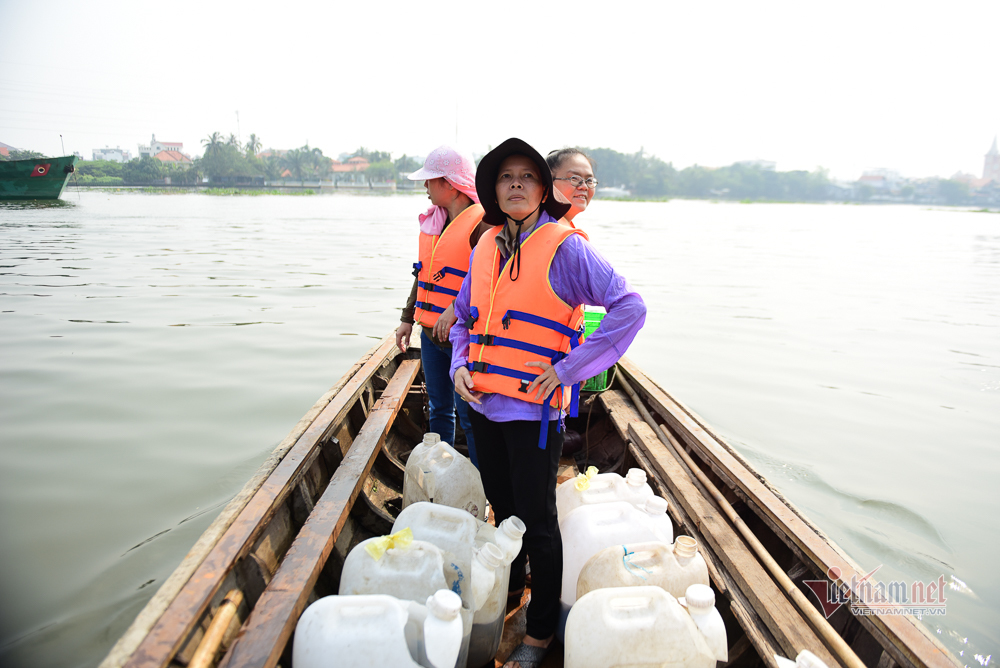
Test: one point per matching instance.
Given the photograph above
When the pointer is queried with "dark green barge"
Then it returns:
(38, 178)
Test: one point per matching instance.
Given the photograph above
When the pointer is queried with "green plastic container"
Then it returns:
(591, 320)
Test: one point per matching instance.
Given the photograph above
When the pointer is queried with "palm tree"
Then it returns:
(253, 145)
(295, 160)
(212, 143)
(233, 141)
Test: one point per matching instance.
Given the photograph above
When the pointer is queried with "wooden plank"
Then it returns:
(156, 606)
(909, 642)
(907, 636)
(784, 621)
(184, 611)
(273, 619)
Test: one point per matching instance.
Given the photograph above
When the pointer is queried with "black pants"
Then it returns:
(520, 479)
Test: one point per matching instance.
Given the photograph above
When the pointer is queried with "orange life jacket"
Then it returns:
(568, 223)
(513, 322)
(444, 262)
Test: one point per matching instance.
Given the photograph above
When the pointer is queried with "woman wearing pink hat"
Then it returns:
(450, 179)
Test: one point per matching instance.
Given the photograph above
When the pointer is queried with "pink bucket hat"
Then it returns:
(456, 168)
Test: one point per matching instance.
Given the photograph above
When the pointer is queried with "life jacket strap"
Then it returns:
(417, 266)
(443, 271)
(432, 287)
(427, 306)
(493, 340)
(540, 321)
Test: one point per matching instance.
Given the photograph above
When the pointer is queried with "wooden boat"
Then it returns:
(336, 480)
(41, 178)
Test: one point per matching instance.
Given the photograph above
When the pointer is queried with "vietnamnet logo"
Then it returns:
(868, 597)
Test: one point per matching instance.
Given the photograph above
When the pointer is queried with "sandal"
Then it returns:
(528, 656)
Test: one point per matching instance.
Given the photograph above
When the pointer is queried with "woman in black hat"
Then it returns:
(516, 358)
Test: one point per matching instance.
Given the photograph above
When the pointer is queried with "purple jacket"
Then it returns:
(579, 275)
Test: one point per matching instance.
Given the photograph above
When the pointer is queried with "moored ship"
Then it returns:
(37, 178)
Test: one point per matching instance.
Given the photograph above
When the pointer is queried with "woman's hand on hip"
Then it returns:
(464, 385)
(546, 382)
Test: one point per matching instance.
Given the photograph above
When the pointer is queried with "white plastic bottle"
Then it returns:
(700, 602)
(372, 630)
(453, 531)
(632, 626)
(652, 563)
(487, 623)
(592, 487)
(487, 561)
(438, 473)
(410, 573)
(656, 508)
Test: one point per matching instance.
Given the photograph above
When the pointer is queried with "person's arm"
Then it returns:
(405, 328)
(581, 275)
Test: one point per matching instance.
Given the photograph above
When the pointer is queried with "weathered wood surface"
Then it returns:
(782, 619)
(156, 647)
(270, 625)
(904, 637)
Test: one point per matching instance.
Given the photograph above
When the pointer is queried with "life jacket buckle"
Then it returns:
(417, 266)
(438, 275)
(480, 367)
(506, 321)
(470, 322)
(487, 339)
(524, 386)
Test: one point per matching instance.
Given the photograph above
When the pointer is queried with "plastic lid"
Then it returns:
(430, 438)
(807, 659)
(444, 604)
(656, 505)
(491, 555)
(635, 477)
(513, 527)
(699, 597)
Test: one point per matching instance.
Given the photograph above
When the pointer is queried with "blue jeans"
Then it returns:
(444, 401)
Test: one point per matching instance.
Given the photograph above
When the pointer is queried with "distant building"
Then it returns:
(991, 165)
(763, 165)
(355, 164)
(112, 154)
(173, 158)
(5, 149)
(157, 146)
(881, 179)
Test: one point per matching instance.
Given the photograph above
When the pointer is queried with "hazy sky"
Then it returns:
(844, 85)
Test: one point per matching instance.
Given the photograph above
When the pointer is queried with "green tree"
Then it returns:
(143, 170)
(406, 164)
(953, 192)
(381, 171)
(16, 154)
(212, 143)
(253, 145)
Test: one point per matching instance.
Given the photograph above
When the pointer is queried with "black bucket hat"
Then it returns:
(555, 203)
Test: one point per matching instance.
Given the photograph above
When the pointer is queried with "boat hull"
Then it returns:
(39, 178)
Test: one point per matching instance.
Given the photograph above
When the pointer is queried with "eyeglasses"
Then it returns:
(577, 181)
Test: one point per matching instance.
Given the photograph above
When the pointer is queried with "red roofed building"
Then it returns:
(355, 164)
(173, 158)
(156, 147)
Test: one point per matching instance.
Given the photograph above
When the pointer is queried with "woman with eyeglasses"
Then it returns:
(516, 358)
(573, 176)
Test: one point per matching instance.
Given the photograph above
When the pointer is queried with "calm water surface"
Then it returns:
(155, 348)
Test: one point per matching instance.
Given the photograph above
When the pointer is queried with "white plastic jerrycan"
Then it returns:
(395, 565)
(699, 599)
(379, 630)
(594, 487)
(453, 531)
(633, 626)
(671, 567)
(589, 529)
(485, 564)
(805, 659)
(487, 623)
(438, 473)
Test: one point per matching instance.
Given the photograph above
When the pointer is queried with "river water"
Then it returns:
(155, 348)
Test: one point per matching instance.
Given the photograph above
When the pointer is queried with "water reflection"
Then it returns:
(33, 204)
